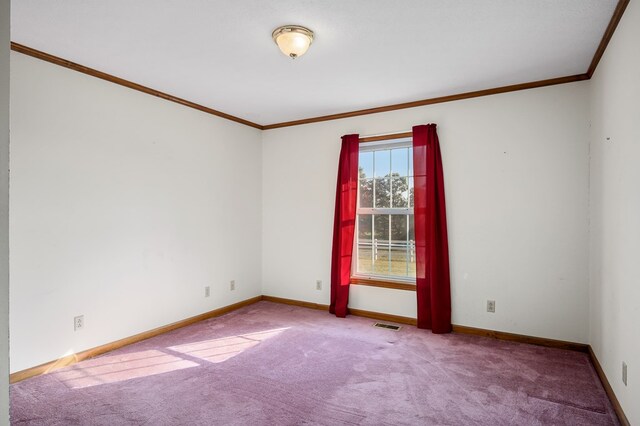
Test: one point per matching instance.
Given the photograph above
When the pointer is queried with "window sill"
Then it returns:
(378, 282)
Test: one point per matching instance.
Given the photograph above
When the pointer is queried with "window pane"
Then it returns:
(399, 229)
(411, 192)
(381, 227)
(412, 232)
(399, 245)
(383, 196)
(381, 259)
(366, 193)
(365, 230)
(381, 244)
(412, 248)
(382, 163)
(399, 161)
(365, 234)
(365, 164)
(410, 161)
(398, 262)
(399, 192)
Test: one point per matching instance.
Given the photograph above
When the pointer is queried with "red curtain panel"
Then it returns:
(432, 247)
(344, 224)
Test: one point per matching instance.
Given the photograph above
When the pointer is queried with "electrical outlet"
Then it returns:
(491, 306)
(319, 285)
(78, 323)
(207, 291)
(232, 285)
(624, 373)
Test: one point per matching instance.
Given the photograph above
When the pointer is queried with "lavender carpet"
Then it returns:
(271, 364)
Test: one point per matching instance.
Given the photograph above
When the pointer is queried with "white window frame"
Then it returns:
(376, 146)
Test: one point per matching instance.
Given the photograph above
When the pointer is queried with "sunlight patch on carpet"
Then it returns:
(222, 349)
(117, 368)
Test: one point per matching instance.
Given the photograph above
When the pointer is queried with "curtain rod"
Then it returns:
(376, 138)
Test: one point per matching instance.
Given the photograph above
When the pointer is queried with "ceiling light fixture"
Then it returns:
(293, 40)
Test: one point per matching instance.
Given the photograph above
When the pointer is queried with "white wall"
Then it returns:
(615, 211)
(4, 211)
(516, 176)
(123, 207)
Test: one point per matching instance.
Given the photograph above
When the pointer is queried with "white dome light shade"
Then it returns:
(293, 40)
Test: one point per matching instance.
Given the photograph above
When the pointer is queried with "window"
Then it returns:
(384, 246)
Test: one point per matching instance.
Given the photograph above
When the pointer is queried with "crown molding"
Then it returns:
(431, 101)
(608, 33)
(29, 51)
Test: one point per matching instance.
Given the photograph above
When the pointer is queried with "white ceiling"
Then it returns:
(367, 53)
